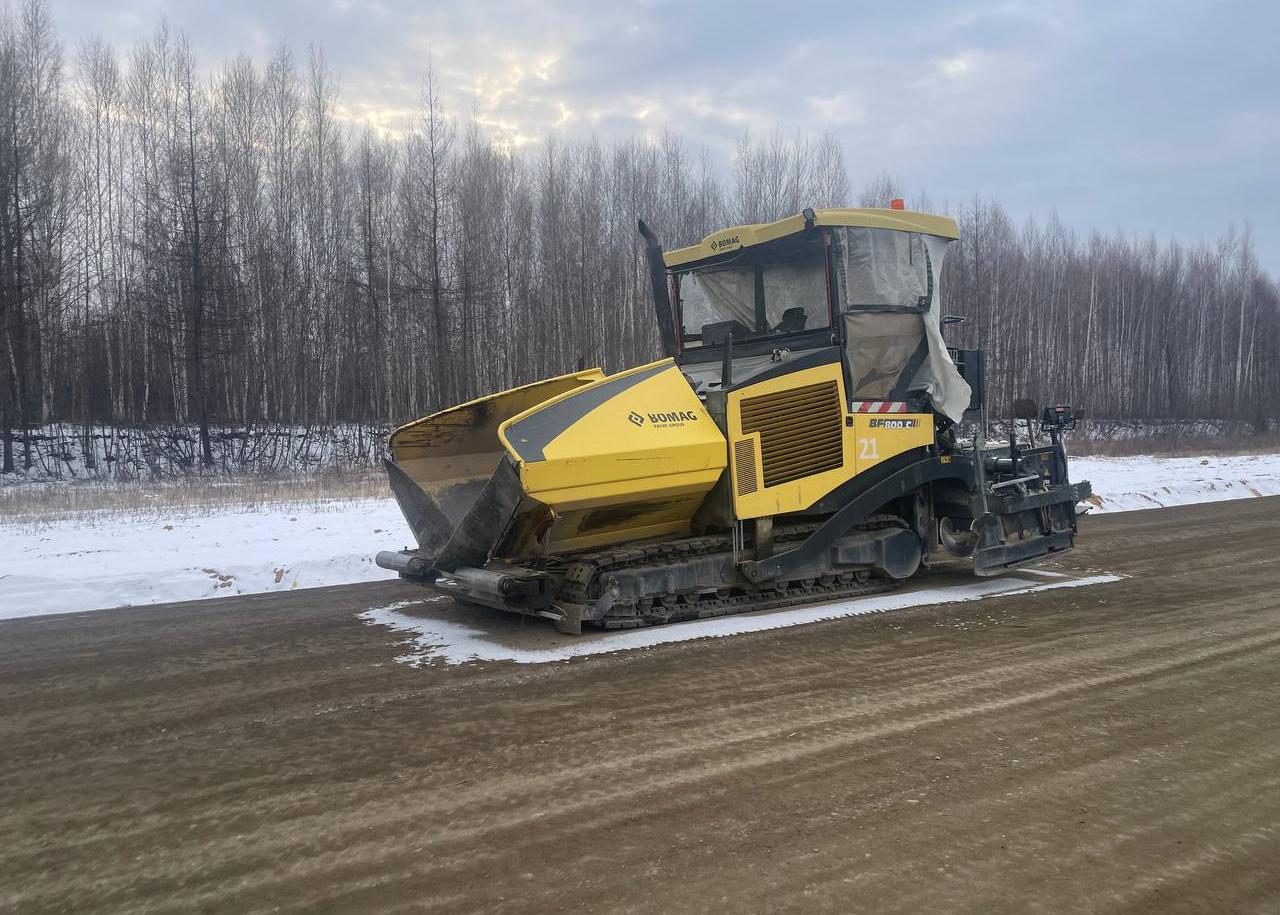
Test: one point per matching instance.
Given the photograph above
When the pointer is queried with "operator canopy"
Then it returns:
(772, 280)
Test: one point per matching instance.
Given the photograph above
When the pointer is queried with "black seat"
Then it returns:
(793, 321)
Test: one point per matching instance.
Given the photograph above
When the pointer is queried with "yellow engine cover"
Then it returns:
(795, 439)
(627, 457)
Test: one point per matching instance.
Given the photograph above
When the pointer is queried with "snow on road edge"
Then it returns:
(105, 561)
(431, 638)
(71, 566)
(1131, 483)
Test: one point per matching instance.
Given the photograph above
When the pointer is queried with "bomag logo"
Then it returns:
(664, 420)
(894, 423)
(725, 242)
(682, 416)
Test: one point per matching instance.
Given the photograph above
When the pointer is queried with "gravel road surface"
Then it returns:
(1113, 748)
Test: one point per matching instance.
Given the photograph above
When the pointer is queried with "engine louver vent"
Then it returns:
(800, 431)
(744, 465)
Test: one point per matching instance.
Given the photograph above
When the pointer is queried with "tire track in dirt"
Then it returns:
(749, 722)
(750, 744)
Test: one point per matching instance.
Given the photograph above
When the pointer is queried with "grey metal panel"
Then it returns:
(532, 434)
(470, 542)
(431, 526)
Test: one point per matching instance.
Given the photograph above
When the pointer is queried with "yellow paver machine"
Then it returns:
(802, 440)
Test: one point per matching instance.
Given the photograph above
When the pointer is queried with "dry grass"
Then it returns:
(43, 502)
(1177, 445)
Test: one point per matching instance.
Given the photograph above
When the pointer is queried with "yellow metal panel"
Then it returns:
(756, 234)
(879, 436)
(866, 440)
(625, 461)
(565, 536)
(653, 433)
(472, 426)
(794, 495)
(553, 485)
(451, 453)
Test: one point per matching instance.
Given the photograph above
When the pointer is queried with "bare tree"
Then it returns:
(228, 252)
(881, 189)
(33, 209)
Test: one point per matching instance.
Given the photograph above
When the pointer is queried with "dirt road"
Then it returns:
(1112, 748)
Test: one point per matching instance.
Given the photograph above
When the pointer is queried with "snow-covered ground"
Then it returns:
(103, 561)
(1129, 483)
(97, 562)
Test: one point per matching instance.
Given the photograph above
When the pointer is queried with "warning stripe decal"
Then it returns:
(878, 406)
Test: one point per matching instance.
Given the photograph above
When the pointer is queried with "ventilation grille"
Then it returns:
(800, 431)
(744, 465)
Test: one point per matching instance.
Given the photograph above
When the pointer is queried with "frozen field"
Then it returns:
(104, 560)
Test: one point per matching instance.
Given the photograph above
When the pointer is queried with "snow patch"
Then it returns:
(90, 564)
(435, 636)
(1130, 483)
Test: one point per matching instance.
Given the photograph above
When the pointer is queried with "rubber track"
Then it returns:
(582, 573)
(792, 595)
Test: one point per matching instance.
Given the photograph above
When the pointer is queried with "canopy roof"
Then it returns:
(739, 237)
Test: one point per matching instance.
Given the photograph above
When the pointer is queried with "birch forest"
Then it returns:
(218, 247)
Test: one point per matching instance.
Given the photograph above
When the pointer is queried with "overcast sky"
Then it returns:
(1142, 116)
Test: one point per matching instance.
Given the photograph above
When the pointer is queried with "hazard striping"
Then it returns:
(878, 406)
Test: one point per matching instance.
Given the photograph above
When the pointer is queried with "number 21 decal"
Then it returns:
(867, 450)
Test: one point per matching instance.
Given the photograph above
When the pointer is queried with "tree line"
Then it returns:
(226, 250)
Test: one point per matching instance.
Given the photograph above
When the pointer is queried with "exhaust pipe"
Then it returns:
(661, 297)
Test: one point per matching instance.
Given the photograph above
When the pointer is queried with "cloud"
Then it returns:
(837, 110)
(1136, 114)
(956, 67)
